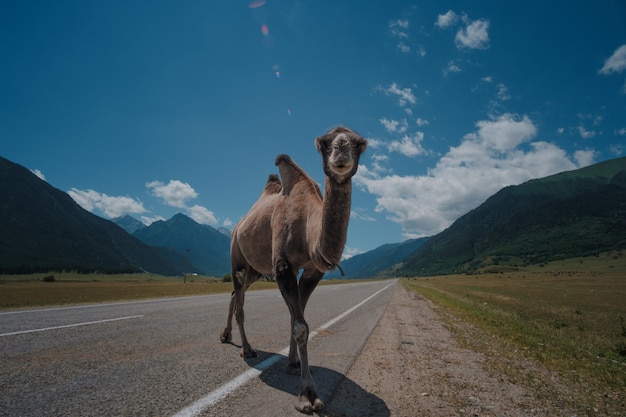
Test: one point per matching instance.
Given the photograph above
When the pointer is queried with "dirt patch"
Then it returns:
(418, 367)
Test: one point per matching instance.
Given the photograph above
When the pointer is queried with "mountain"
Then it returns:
(209, 250)
(43, 229)
(574, 213)
(372, 263)
(226, 232)
(128, 223)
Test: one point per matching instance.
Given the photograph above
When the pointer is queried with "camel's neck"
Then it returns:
(335, 218)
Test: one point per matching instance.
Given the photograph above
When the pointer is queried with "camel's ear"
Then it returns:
(361, 145)
(322, 143)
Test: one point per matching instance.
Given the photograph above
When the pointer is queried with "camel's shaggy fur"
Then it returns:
(290, 228)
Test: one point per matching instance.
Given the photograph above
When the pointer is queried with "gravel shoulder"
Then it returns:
(417, 366)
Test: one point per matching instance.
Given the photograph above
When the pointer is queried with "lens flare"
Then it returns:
(265, 30)
(256, 4)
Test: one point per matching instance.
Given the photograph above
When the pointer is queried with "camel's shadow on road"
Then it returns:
(342, 396)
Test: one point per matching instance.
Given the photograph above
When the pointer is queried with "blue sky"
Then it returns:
(153, 108)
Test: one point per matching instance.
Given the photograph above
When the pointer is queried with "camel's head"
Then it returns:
(341, 149)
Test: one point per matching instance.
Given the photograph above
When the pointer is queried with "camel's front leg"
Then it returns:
(307, 283)
(309, 401)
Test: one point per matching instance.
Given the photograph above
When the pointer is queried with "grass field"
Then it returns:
(569, 315)
(18, 291)
(53, 288)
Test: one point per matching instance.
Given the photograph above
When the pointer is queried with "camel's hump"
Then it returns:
(290, 172)
(273, 185)
(283, 158)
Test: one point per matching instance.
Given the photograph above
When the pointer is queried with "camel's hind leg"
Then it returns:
(227, 335)
(242, 280)
(309, 401)
(246, 349)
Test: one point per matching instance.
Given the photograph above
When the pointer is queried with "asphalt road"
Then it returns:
(164, 357)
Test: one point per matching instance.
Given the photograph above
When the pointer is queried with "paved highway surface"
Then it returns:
(164, 358)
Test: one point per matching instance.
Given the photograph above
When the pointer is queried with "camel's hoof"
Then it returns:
(226, 337)
(308, 408)
(248, 353)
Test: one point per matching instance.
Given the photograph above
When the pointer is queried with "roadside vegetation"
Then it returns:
(568, 315)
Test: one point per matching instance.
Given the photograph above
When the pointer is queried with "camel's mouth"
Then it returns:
(341, 169)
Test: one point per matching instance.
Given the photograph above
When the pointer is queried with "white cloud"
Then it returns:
(227, 222)
(503, 92)
(349, 252)
(111, 206)
(446, 20)
(361, 214)
(202, 215)
(410, 145)
(586, 134)
(405, 95)
(473, 36)
(421, 122)
(394, 126)
(149, 220)
(617, 149)
(404, 48)
(504, 133)
(484, 162)
(374, 143)
(398, 29)
(452, 67)
(621, 132)
(175, 193)
(39, 174)
(584, 158)
(616, 62)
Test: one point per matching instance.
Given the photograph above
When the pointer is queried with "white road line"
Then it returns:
(70, 325)
(117, 303)
(226, 389)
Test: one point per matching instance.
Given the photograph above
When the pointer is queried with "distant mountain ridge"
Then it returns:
(128, 223)
(372, 263)
(209, 249)
(44, 229)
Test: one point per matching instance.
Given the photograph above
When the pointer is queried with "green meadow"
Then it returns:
(568, 315)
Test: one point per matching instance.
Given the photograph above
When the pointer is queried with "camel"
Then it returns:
(293, 228)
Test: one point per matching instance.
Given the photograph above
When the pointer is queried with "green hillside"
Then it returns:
(371, 264)
(43, 229)
(574, 213)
